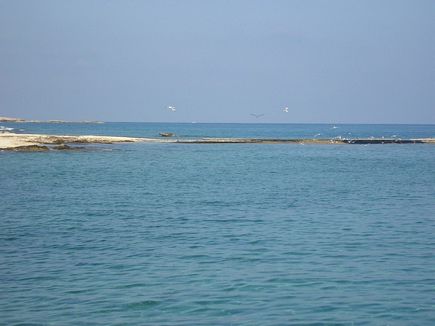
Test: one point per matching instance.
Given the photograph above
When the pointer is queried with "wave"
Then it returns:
(3, 128)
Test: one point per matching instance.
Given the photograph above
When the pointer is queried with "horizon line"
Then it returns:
(202, 122)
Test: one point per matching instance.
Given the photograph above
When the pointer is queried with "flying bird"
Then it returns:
(257, 115)
(172, 108)
(285, 110)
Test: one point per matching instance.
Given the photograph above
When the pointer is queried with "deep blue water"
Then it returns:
(219, 234)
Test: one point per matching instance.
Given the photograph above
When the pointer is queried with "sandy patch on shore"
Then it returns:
(9, 141)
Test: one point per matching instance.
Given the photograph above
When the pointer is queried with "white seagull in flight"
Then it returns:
(285, 110)
(172, 108)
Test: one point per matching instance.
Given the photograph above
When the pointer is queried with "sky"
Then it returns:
(328, 61)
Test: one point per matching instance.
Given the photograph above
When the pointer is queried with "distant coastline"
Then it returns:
(16, 120)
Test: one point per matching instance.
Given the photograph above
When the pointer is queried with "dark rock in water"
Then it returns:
(62, 147)
(166, 134)
(58, 141)
(65, 147)
(30, 148)
(382, 141)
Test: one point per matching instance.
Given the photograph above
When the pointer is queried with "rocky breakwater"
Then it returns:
(332, 141)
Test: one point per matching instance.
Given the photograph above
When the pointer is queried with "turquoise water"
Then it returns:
(220, 234)
(194, 130)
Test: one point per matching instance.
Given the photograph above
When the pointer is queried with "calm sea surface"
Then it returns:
(219, 234)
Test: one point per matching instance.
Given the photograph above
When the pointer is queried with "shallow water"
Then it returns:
(242, 234)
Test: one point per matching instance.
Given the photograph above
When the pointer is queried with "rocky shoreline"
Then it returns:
(39, 143)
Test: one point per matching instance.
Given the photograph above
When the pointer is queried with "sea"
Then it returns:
(219, 234)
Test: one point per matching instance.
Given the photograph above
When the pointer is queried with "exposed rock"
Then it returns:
(12, 140)
(57, 141)
(29, 148)
(35, 142)
(62, 147)
(65, 147)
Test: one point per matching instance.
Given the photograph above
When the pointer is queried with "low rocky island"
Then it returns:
(7, 119)
(36, 142)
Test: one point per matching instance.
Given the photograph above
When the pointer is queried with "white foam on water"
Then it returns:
(3, 128)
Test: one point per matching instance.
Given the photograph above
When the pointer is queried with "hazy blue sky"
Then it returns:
(218, 61)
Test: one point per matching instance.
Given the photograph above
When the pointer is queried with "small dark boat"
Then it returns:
(166, 134)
